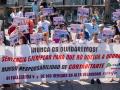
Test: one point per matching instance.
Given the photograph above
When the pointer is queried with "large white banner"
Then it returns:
(56, 62)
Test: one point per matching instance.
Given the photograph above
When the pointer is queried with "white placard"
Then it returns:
(58, 20)
(14, 39)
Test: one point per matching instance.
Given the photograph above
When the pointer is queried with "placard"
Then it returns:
(58, 20)
(83, 11)
(19, 21)
(36, 38)
(48, 11)
(75, 28)
(108, 33)
(14, 39)
(24, 29)
(30, 15)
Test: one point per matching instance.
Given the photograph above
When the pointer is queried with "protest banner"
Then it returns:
(30, 15)
(36, 38)
(14, 39)
(19, 21)
(58, 20)
(57, 62)
(24, 29)
(47, 11)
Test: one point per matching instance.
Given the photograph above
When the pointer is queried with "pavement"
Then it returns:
(70, 85)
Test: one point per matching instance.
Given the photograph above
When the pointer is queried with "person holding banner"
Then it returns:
(44, 24)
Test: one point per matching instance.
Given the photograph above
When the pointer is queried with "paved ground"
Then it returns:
(72, 85)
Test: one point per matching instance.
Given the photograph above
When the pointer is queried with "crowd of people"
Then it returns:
(88, 32)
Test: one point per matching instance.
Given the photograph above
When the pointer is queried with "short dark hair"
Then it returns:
(21, 8)
(24, 39)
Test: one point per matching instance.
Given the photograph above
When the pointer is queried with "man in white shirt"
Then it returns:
(44, 25)
(20, 13)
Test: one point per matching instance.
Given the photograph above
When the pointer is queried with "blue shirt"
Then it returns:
(92, 28)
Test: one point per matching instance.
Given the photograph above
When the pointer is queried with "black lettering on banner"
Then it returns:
(54, 49)
(64, 66)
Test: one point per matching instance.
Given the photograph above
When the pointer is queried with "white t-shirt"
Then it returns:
(20, 14)
(13, 15)
(44, 25)
(82, 41)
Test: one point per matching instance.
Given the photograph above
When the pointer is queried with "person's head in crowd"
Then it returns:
(21, 9)
(116, 39)
(14, 10)
(101, 27)
(108, 40)
(22, 40)
(35, 2)
(118, 23)
(57, 26)
(82, 27)
(93, 21)
(51, 4)
(44, 3)
(95, 38)
(82, 35)
(41, 8)
(42, 18)
(63, 27)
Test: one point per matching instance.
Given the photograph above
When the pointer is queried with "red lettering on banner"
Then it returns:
(111, 56)
(92, 57)
(86, 66)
